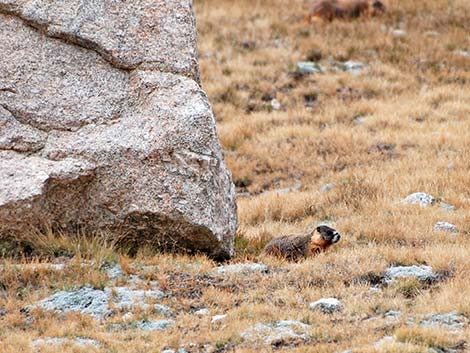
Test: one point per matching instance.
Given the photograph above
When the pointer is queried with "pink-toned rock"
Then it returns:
(103, 125)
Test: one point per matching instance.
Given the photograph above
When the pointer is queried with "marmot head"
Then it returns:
(324, 236)
(378, 8)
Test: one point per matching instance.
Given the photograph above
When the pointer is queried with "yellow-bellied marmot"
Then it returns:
(296, 246)
(331, 9)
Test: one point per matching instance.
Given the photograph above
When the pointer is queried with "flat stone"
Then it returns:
(463, 53)
(309, 67)
(399, 33)
(96, 302)
(353, 67)
(218, 318)
(278, 334)
(327, 305)
(442, 226)
(202, 312)
(422, 273)
(393, 315)
(419, 198)
(360, 120)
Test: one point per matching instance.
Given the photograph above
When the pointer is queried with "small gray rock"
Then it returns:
(463, 53)
(399, 33)
(353, 67)
(393, 314)
(180, 350)
(218, 318)
(279, 333)
(327, 305)
(419, 198)
(202, 312)
(422, 273)
(442, 226)
(360, 120)
(447, 207)
(309, 67)
(275, 104)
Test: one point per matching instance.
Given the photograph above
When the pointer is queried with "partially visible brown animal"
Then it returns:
(297, 246)
(345, 9)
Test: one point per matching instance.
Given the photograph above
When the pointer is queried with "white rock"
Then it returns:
(309, 67)
(462, 53)
(442, 226)
(327, 305)
(275, 104)
(419, 198)
(393, 315)
(422, 273)
(218, 318)
(353, 67)
(127, 316)
(202, 312)
(447, 207)
(399, 33)
(360, 120)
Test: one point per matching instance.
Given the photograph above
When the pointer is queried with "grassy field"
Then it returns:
(400, 126)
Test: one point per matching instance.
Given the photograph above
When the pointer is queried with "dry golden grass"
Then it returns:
(415, 95)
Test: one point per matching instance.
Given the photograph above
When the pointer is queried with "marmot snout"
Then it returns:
(296, 246)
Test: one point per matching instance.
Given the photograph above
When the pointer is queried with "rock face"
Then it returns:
(103, 124)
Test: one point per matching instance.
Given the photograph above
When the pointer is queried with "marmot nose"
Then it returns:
(336, 238)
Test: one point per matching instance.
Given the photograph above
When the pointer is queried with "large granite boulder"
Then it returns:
(103, 125)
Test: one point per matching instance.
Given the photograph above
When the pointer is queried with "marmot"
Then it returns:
(331, 9)
(296, 246)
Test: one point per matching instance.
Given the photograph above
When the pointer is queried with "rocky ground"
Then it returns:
(186, 305)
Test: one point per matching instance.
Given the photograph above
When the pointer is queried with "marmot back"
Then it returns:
(331, 9)
(298, 246)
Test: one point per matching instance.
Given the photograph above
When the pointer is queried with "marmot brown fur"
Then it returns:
(297, 246)
(345, 9)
